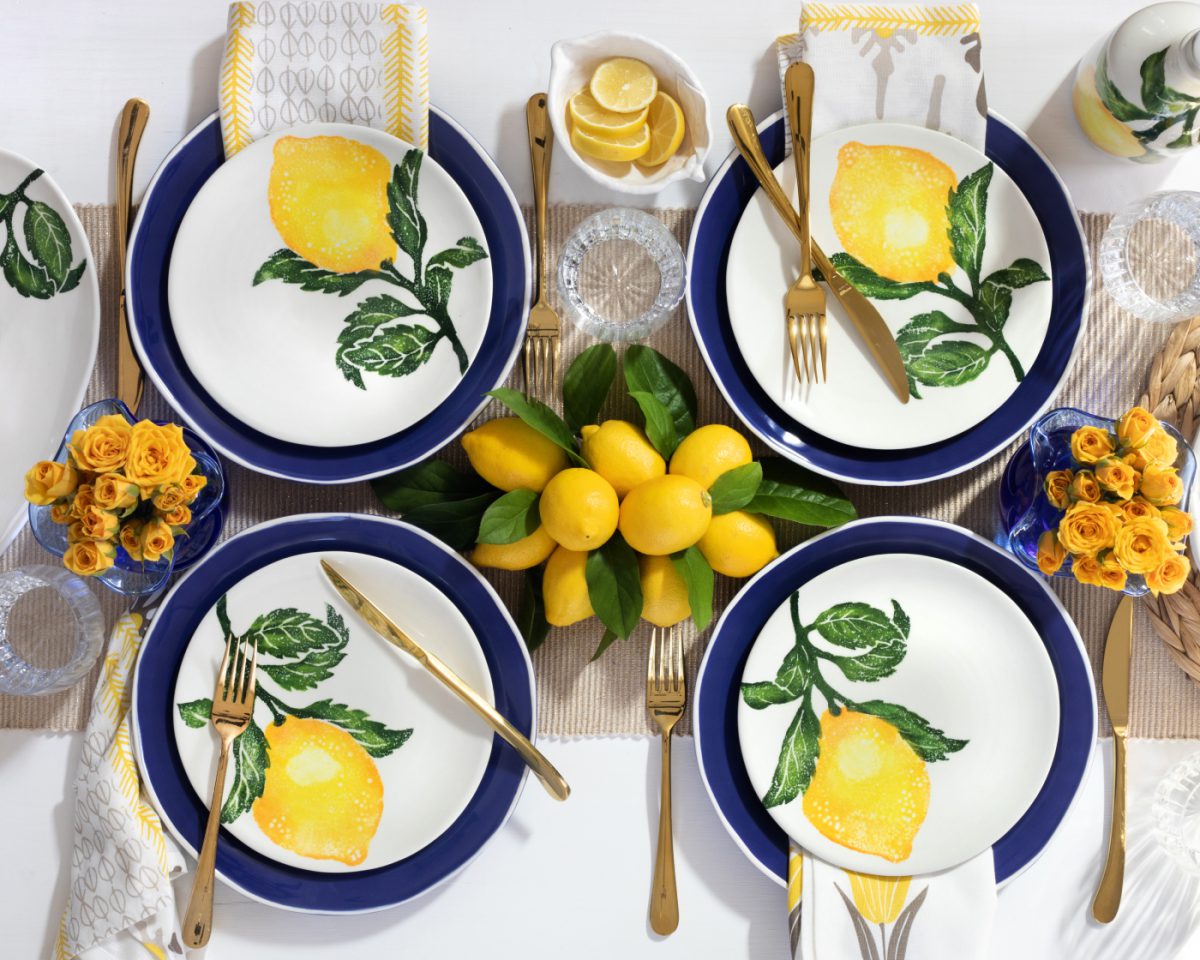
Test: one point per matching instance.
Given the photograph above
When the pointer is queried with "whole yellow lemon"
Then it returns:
(565, 589)
(664, 515)
(328, 200)
(706, 453)
(520, 555)
(621, 454)
(322, 797)
(664, 592)
(738, 543)
(579, 509)
(511, 455)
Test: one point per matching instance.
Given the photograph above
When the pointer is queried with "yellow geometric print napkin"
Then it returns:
(912, 64)
(290, 63)
(120, 904)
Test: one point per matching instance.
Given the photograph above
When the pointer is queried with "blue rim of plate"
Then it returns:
(719, 680)
(184, 813)
(731, 189)
(175, 185)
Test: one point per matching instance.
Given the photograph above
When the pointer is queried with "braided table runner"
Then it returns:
(607, 697)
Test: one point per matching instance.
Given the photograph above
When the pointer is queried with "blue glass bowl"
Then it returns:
(1025, 513)
(138, 577)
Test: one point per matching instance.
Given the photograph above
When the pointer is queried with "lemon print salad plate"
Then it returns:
(329, 304)
(974, 260)
(897, 696)
(360, 782)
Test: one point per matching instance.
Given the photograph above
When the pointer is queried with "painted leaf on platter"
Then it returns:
(374, 737)
(928, 742)
(250, 760)
(464, 253)
(316, 666)
(967, 211)
(48, 240)
(287, 632)
(793, 679)
(196, 713)
(394, 352)
(950, 363)
(404, 214)
(290, 267)
(797, 758)
(870, 284)
(855, 624)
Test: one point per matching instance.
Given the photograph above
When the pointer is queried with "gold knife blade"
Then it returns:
(1118, 654)
(862, 313)
(383, 625)
(130, 379)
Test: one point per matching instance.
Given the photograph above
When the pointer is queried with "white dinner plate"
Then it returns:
(963, 658)
(326, 369)
(48, 335)
(856, 406)
(427, 781)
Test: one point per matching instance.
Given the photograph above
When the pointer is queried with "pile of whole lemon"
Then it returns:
(623, 116)
(660, 509)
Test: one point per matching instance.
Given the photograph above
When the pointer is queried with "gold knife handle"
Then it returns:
(798, 85)
(129, 136)
(541, 142)
(1108, 894)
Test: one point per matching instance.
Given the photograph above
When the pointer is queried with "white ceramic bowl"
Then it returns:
(572, 63)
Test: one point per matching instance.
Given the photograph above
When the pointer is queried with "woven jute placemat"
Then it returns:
(576, 697)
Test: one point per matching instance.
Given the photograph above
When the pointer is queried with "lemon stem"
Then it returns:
(947, 287)
(429, 307)
(278, 708)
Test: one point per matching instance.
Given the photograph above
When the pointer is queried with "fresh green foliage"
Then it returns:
(48, 241)
(511, 518)
(735, 488)
(587, 383)
(790, 492)
(539, 416)
(647, 371)
(531, 614)
(615, 585)
(606, 641)
(439, 499)
(660, 428)
(698, 576)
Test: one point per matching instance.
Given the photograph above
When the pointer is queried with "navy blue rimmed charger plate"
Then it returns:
(175, 185)
(184, 813)
(719, 682)
(728, 193)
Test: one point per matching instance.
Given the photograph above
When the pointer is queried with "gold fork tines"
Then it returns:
(542, 333)
(232, 708)
(666, 696)
(807, 339)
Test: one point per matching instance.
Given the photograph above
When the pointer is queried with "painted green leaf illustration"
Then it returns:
(790, 492)
(196, 713)
(317, 665)
(1021, 273)
(656, 419)
(250, 763)
(531, 613)
(875, 664)
(870, 284)
(923, 329)
(648, 371)
(48, 240)
(1157, 97)
(438, 283)
(698, 575)
(1111, 97)
(928, 742)
(288, 632)
(795, 676)
(900, 619)
(855, 625)
(539, 416)
(587, 383)
(28, 279)
(511, 518)
(615, 585)
(967, 211)
(797, 758)
(735, 488)
(394, 352)
(404, 215)
(466, 252)
(290, 267)
(949, 363)
(374, 737)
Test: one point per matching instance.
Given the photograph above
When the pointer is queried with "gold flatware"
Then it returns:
(542, 343)
(232, 707)
(129, 137)
(862, 313)
(378, 621)
(666, 696)
(1118, 652)
(805, 301)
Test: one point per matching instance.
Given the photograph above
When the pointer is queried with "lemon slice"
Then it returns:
(623, 85)
(612, 148)
(592, 118)
(666, 130)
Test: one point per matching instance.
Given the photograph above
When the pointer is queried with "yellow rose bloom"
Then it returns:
(181, 516)
(1138, 508)
(61, 512)
(102, 447)
(1056, 484)
(1089, 444)
(1135, 428)
(158, 456)
(97, 524)
(1116, 478)
(75, 532)
(1111, 574)
(1160, 485)
(131, 539)
(112, 491)
(85, 497)
(1050, 554)
(1087, 528)
(169, 497)
(192, 484)
(1142, 545)
(156, 539)
(1170, 575)
(1084, 488)
(48, 481)
(1086, 570)
(1179, 523)
(1161, 449)
(89, 557)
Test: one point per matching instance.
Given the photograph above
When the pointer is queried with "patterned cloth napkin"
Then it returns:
(120, 903)
(907, 64)
(290, 63)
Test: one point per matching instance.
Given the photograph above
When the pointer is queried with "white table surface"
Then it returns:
(569, 880)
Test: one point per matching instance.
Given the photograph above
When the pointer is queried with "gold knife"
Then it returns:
(862, 313)
(1118, 652)
(129, 136)
(378, 621)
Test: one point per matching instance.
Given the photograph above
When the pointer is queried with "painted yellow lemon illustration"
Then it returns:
(870, 791)
(328, 199)
(323, 798)
(888, 205)
(1097, 121)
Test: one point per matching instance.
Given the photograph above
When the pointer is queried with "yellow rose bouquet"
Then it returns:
(119, 486)
(1117, 508)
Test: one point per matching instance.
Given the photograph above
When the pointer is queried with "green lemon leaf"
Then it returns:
(317, 665)
(531, 614)
(287, 633)
(698, 576)
(870, 284)
(797, 758)
(433, 481)
(900, 619)
(660, 428)
(466, 252)
(789, 492)
(855, 624)
(587, 383)
(195, 713)
(290, 267)
(928, 742)
(995, 302)
(950, 363)
(394, 352)
(1020, 273)
(511, 518)
(250, 763)
(648, 371)
(792, 681)
(438, 282)
(374, 737)
(605, 642)
(735, 488)
(1112, 98)
(28, 279)
(404, 215)
(539, 416)
(454, 522)
(923, 329)
(875, 664)
(615, 585)
(967, 210)
(48, 240)
(73, 278)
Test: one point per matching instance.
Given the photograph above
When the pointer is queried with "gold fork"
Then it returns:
(805, 301)
(232, 707)
(666, 694)
(542, 334)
